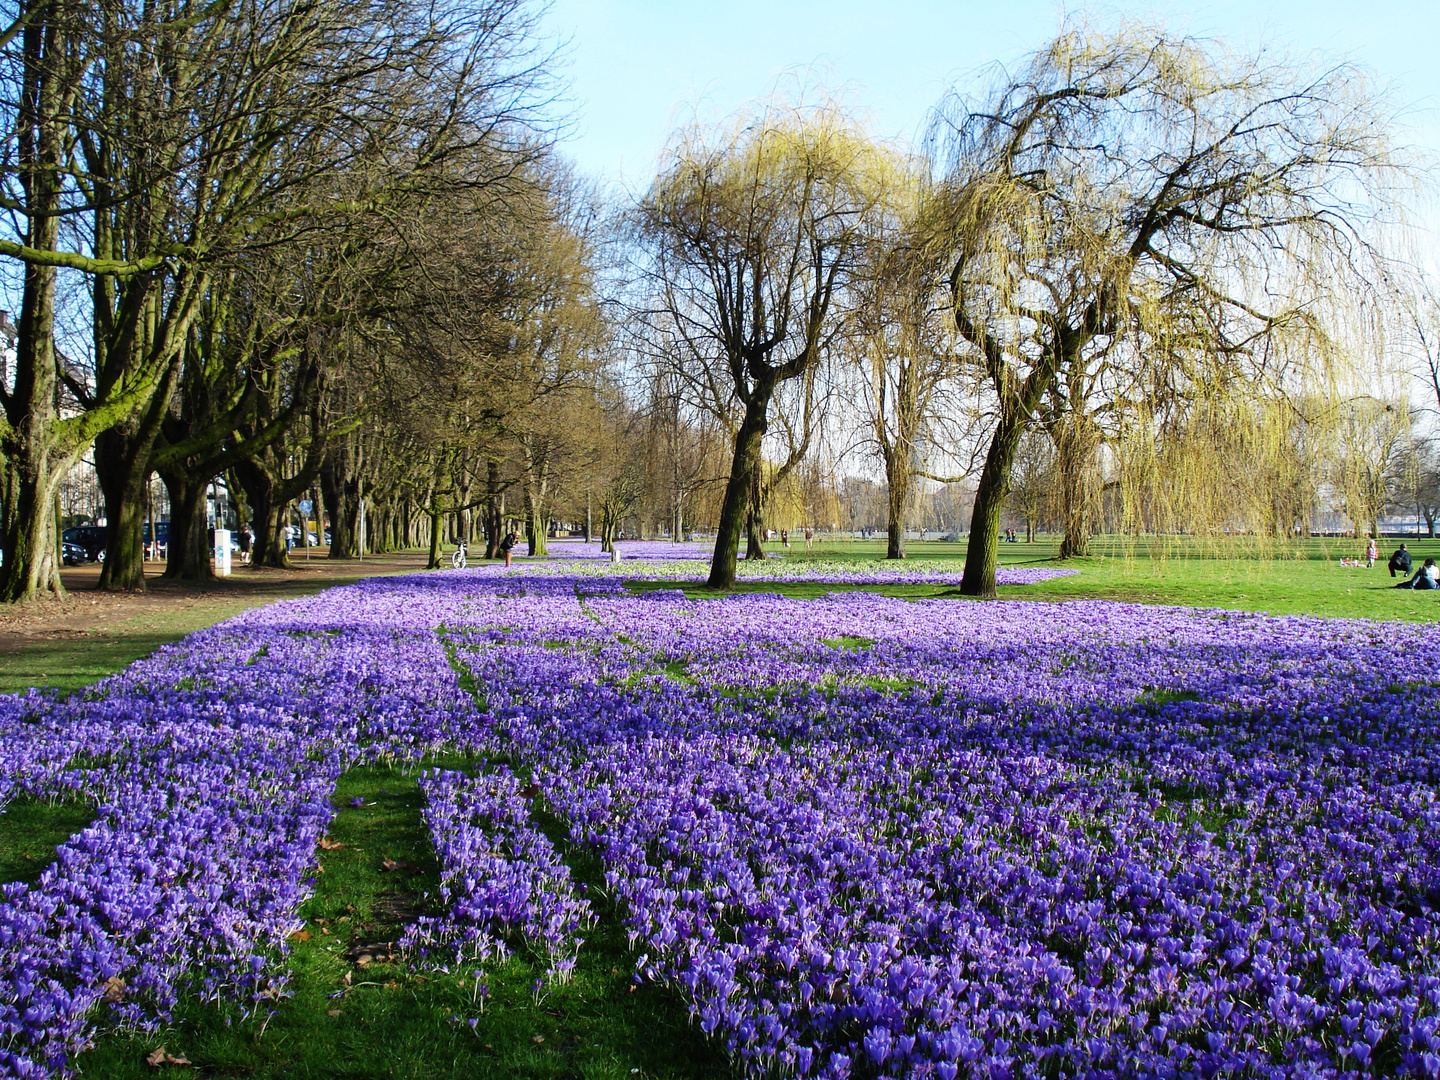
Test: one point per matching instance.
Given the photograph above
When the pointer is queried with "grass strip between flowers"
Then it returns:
(360, 1007)
(30, 831)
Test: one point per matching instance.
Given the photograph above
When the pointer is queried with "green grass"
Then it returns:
(31, 830)
(384, 1020)
(1305, 578)
(68, 665)
(848, 641)
(796, 590)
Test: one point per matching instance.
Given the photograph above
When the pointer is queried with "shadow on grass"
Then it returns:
(74, 660)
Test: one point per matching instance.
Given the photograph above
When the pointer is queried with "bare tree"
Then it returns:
(1371, 459)
(1033, 483)
(190, 133)
(908, 365)
(1424, 471)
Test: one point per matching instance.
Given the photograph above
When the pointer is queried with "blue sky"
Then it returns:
(639, 68)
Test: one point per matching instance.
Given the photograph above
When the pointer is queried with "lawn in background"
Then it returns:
(1304, 578)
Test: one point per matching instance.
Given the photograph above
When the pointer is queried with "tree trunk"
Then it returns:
(435, 529)
(238, 499)
(1074, 458)
(337, 494)
(274, 553)
(269, 546)
(536, 522)
(755, 516)
(897, 479)
(121, 466)
(30, 448)
(737, 489)
(189, 549)
(31, 566)
(535, 532)
(984, 545)
(494, 511)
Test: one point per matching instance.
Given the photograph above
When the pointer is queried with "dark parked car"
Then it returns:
(89, 537)
(73, 554)
(162, 536)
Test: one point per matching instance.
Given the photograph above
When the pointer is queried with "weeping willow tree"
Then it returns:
(752, 235)
(1229, 465)
(1236, 459)
(1127, 188)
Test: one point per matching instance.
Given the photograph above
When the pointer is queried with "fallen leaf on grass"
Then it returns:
(326, 844)
(376, 952)
(160, 1057)
(114, 988)
(539, 1039)
(396, 864)
(300, 935)
(332, 1012)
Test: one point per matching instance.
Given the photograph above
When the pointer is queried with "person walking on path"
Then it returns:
(244, 539)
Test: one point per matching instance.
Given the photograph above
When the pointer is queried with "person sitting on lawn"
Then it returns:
(1400, 562)
(1427, 577)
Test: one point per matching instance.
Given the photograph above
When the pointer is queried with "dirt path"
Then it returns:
(71, 642)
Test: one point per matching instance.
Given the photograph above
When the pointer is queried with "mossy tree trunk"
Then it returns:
(189, 549)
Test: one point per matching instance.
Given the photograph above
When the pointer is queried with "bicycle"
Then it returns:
(458, 559)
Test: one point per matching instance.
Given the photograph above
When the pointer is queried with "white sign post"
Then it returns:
(222, 552)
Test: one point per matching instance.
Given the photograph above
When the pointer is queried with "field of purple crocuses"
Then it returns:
(857, 836)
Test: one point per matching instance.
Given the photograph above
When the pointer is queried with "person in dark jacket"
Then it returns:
(1400, 562)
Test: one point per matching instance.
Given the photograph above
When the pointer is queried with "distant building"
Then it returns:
(8, 337)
